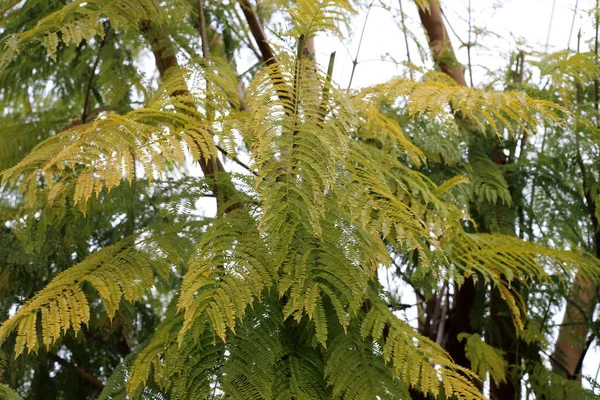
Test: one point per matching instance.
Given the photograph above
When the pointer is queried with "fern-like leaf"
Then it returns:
(121, 271)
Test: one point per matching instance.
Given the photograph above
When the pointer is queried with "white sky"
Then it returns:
(507, 22)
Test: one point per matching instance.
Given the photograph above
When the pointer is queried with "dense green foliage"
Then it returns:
(115, 284)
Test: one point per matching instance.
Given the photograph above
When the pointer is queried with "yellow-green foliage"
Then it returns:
(502, 259)
(310, 17)
(82, 20)
(417, 360)
(484, 358)
(229, 270)
(82, 161)
(121, 271)
(566, 68)
(292, 268)
(488, 182)
(6, 393)
(485, 109)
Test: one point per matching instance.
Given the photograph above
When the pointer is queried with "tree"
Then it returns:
(124, 290)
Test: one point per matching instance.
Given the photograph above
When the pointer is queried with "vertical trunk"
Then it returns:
(572, 343)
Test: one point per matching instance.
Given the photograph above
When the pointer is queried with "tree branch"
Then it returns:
(88, 92)
(203, 36)
(256, 28)
(439, 43)
(80, 372)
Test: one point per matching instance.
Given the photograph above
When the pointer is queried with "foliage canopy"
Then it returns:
(276, 296)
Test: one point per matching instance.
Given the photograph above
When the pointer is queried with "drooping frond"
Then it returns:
(310, 17)
(299, 374)
(485, 109)
(122, 271)
(150, 357)
(18, 137)
(375, 125)
(566, 68)
(335, 269)
(502, 259)
(419, 362)
(484, 358)
(356, 370)
(250, 369)
(228, 271)
(383, 198)
(553, 386)
(296, 145)
(488, 182)
(6, 393)
(84, 160)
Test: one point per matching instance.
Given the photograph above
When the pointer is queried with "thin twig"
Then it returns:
(550, 25)
(572, 24)
(88, 92)
(268, 55)
(452, 29)
(236, 160)
(410, 71)
(442, 326)
(256, 28)
(355, 61)
(10, 7)
(203, 36)
(469, 44)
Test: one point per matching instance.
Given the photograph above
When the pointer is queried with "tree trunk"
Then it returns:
(439, 43)
(572, 344)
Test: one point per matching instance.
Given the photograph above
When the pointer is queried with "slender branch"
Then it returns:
(469, 45)
(88, 92)
(439, 43)
(10, 7)
(462, 42)
(550, 25)
(236, 160)
(90, 114)
(442, 325)
(410, 71)
(268, 55)
(555, 361)
(203, 36)
(246, 39)
(401, 306)
(572, 24)
(211, 166)
(91, 380)
(256, 28)
(355, 61)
